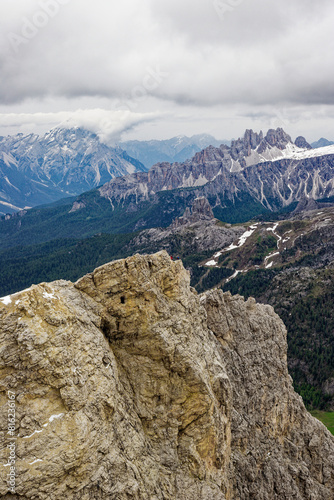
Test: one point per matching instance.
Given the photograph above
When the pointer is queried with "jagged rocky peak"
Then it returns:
(130, 385)
(274, 139)
(277, 138)
(200, 211)
(252, 139)
(201, 208)
(244, 145)
(301, 142)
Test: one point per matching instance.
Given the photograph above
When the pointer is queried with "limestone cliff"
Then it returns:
(279, 451)
(129, 385)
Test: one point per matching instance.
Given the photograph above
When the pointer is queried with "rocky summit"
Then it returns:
(195, 232)
(129, 385)
(35, 170)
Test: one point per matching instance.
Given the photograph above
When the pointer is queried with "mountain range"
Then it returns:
(37, 170)
(256, 174)
(270, 172)
(176, 149)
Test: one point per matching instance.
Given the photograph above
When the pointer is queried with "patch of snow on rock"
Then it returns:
(211, 263)
(6, 300)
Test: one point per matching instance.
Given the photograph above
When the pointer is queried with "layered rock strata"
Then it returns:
(128, 385)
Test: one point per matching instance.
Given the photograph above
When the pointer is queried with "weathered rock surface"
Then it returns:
(200, 210)
(130, 386)
(279, 451)
(301, 142)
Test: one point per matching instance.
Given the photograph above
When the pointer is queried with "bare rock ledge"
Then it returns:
(131, 386)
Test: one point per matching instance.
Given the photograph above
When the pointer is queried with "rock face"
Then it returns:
(200, 210)
(301, 142)
(279, 451)
(130, 386)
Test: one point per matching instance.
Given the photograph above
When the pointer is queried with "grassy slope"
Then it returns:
(326, 417)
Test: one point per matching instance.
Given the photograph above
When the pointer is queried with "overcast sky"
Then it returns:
(155, 69)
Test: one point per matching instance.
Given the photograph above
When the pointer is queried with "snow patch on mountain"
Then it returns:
(301, 154)
(9, 159)
(62, 162)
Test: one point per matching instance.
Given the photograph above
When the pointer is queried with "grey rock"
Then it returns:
(197, 231)
(301, 142)
(200, 210)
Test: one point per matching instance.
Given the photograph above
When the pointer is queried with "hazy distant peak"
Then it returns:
(175, 149)
(322, 143)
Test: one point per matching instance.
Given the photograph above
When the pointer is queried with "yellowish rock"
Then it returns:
(130, 386)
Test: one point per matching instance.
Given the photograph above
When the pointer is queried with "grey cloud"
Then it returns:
(109, 125)
(211, 53)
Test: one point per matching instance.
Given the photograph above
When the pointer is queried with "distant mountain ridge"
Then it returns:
(155, 198)
(176, 149)
(270, 169)
(36, 170)
(321, 143)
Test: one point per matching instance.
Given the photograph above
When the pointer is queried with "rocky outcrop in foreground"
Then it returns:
(128, 385)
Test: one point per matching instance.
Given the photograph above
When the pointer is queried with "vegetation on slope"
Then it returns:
(308, 316)
(326, 417)
(59, 259)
